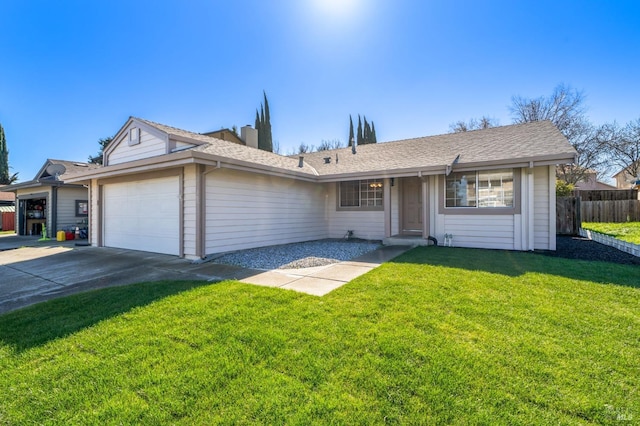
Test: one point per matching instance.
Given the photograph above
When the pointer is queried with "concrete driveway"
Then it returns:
(37, 271)
(32, 271)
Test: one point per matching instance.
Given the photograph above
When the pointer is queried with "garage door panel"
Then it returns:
(143, 215)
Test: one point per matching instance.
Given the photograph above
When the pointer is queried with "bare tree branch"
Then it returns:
(565, 109)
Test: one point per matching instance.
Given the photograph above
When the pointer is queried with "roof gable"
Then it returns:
(140, 138)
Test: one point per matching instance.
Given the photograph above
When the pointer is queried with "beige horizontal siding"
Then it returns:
(189, 211)
(149, 146)
(66, 213)
(495, 232)
(368, 225)
(244, 210)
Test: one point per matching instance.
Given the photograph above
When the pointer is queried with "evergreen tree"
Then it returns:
(351, 139)
(259, 129)
(366, 131)
(103, 144)
(4, 158)
(263, 126)
(366, 137)
(268, 142)
(5, 179)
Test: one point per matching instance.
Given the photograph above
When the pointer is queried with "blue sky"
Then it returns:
(72, 72)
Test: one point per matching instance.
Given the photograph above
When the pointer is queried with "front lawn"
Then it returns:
(439, 336)
(628, 231)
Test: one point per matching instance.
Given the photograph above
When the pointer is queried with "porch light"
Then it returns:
(375, 185)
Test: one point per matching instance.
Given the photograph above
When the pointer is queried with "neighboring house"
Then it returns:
(49, 201)
(591, 183)
(226, 135)
(172, 191)
(624, 180)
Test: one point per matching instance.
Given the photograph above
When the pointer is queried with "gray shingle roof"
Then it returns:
(225, 149)
(43, 178)
(72, 167)
(174, 131)
(507, 145)
(521, 142)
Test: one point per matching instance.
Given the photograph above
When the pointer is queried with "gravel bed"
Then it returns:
(586, 249)
(299, 255)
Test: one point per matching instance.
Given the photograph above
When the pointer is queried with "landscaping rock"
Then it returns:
(299, 255)
(585, 249)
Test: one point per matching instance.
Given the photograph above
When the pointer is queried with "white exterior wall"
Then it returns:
(149, 146)
(541, 208)
(245, 210)
(368, 225)
(66, 213)
(189, 211)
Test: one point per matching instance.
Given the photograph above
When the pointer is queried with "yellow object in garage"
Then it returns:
(60, 236)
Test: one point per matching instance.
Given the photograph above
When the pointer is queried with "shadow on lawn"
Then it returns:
(41, 323)
(513, 264)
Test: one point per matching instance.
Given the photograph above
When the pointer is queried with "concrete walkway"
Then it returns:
(320, 280)
(32, 271)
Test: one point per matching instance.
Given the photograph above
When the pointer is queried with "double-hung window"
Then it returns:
(361, 194)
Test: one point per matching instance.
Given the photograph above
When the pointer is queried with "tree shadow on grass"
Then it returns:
(41, 323)
(513, 264)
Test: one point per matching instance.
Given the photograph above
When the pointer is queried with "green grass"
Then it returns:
(439, 336)
(628, 231)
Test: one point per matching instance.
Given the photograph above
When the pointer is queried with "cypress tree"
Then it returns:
(259, 129)
(350, 140)
(374, 138)
(367, 132)
(4, 159)
(268, 141)
(263, 126)
(360, 135)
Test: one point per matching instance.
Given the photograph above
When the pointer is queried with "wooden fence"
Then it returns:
(616, 211)
(572, 211)
(568, 215)
(608, 194)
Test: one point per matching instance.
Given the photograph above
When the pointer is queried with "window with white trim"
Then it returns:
(363, 194)
(482, 189)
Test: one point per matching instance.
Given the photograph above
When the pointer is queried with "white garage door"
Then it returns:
(143, 215)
